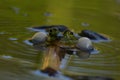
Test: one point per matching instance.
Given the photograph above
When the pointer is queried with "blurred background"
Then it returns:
(17, 59)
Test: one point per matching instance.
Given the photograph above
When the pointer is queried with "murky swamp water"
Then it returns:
(18, 60)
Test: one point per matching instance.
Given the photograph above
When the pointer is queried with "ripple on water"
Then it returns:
(6, 56)
(11, 46)
(85, 24)
(13, 39)
(25, 14)
(106, 63)
(93, 71)
(16, 9)
(27, 42)
(2, 33)
(48, 14)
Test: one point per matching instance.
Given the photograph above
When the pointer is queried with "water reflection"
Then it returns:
(101, 15)
(55, 51)
(16, 10)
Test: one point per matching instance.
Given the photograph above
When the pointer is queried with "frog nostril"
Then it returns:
(50, 30)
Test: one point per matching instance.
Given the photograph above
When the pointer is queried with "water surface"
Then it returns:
(18, 60)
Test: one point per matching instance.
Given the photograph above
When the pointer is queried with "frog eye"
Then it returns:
(71, 33)
(55, 29)
(52, 31)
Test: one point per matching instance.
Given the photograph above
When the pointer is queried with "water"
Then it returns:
(19, 60)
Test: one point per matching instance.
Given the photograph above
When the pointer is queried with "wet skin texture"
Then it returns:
(53, 31)
(84, 33)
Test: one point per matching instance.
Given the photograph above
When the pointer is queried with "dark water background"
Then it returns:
(17, 59)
